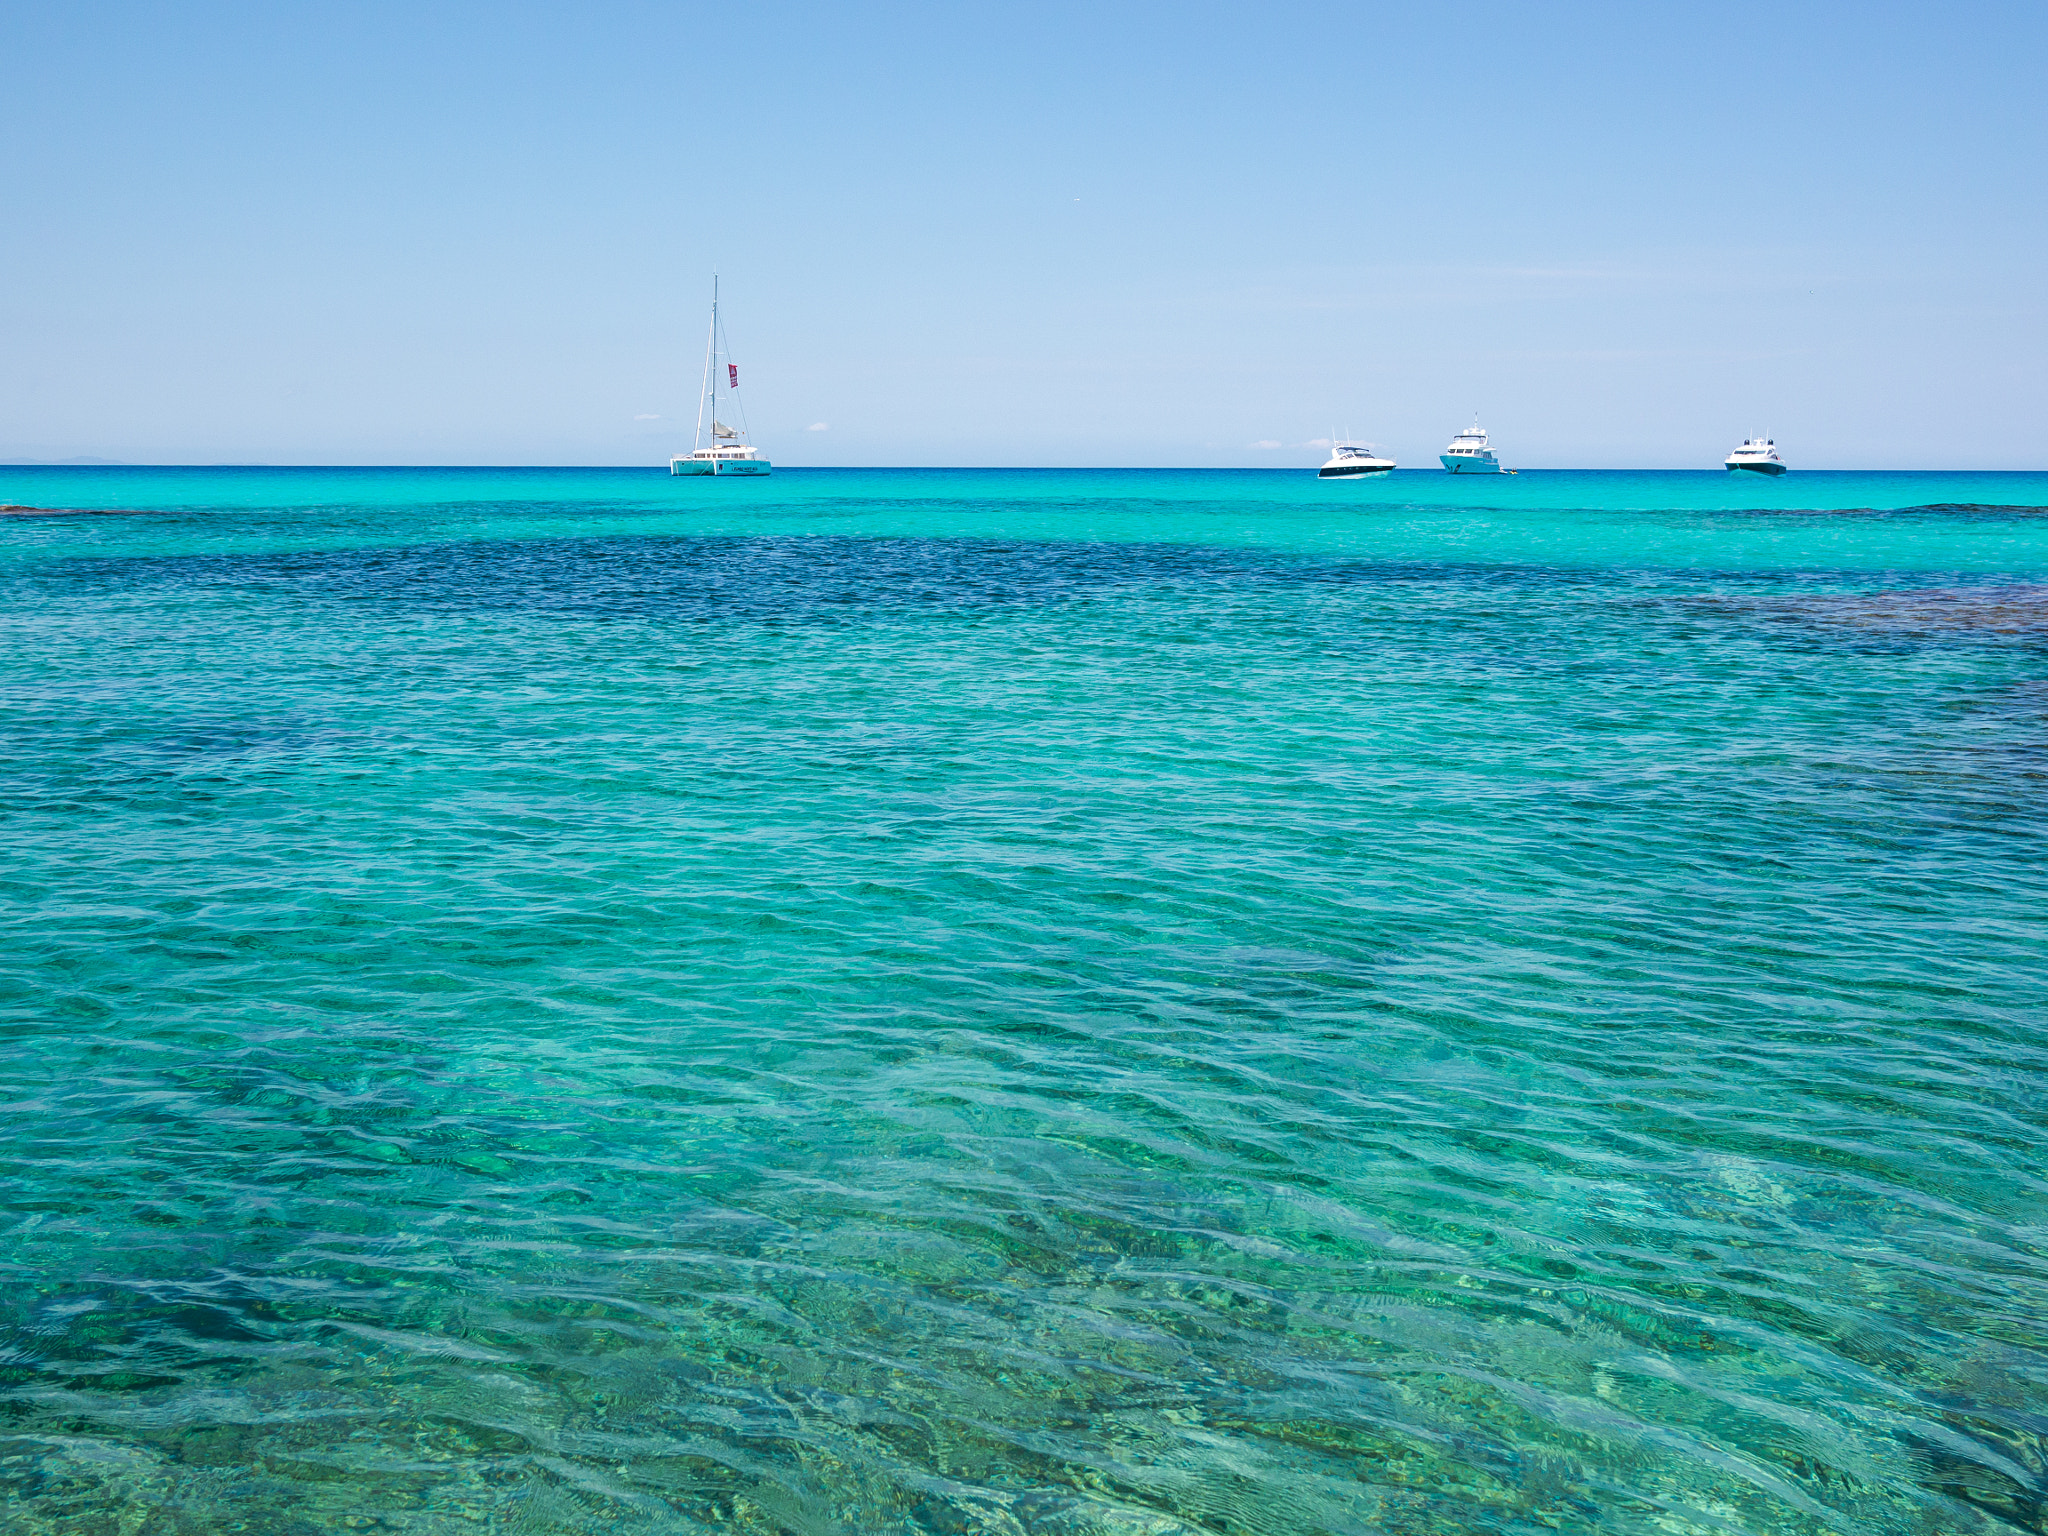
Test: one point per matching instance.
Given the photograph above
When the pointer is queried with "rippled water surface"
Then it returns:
(1104, 1004)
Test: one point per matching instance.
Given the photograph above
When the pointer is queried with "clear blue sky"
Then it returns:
(1025, 234)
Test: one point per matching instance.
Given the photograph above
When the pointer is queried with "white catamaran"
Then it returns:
(730, 452)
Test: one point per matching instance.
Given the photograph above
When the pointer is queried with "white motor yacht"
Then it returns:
(729, 452)
(1758, 454)
(1469, 455)
(1350, 460)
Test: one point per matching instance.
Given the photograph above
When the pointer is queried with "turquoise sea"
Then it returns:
(1096, 1003)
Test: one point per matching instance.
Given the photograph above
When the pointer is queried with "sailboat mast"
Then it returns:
(710, 345)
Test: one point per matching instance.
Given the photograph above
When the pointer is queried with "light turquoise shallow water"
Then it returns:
(1015, 1002)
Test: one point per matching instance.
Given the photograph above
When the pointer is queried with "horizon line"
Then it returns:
(1274, 469)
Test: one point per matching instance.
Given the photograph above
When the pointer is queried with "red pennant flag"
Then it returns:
(734, 370)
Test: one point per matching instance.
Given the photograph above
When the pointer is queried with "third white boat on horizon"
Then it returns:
(1468, 453)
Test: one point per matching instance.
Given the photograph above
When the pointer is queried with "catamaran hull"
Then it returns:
(714, 467)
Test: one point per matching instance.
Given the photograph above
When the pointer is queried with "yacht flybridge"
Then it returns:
(1759, 454)
(1469, 455)
(729, 451)
(1350, 460)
